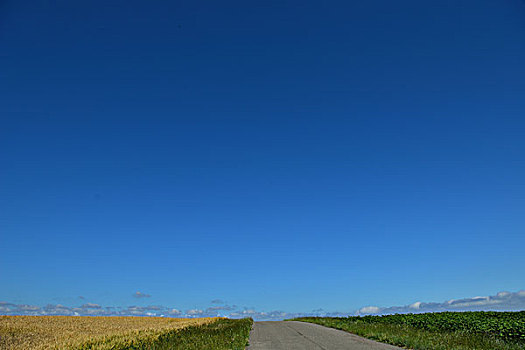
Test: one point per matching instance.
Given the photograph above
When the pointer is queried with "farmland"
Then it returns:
(82, 333)
(437, 331)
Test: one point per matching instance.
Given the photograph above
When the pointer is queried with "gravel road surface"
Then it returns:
(290, 335)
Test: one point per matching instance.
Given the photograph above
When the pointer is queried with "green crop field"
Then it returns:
(437, 331)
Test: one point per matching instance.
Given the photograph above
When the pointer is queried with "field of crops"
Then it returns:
(445, 330)
(79, 333)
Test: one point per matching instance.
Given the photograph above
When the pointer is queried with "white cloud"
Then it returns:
(369, 310)
(499, 302)
(280, 315)
(194, 312)
(89, 310)
(502, 301)
(174, 312)
(221, 308)
(28, 308)
(415, 305)
(141, 295)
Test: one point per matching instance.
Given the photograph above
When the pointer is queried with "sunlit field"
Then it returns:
(71, 332)
(437, 331)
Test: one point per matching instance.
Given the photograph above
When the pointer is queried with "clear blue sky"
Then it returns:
(280, 155)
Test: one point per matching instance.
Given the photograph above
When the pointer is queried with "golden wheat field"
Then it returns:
(70, 332)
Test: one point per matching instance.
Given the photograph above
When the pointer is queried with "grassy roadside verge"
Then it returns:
(221, 334)
(412, 337)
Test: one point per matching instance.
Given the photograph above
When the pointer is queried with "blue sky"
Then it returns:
(276, 155)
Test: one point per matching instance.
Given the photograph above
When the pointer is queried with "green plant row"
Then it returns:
(413, 338)
(221, 334)
(462, 330)
(503, 325)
